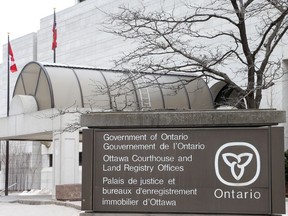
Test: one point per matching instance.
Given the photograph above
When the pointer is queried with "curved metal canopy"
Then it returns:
(63, 86)
(223, 95)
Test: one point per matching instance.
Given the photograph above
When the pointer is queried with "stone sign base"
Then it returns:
(71, 192)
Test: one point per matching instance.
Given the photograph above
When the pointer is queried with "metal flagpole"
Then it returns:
(7, 141)
(54, 43)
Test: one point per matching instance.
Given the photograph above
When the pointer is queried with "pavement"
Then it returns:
(35, 205)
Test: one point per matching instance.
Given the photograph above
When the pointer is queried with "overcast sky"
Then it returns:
(21, 17)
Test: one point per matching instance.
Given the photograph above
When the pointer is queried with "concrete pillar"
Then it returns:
(36, 165)
(65, 156)
(285, 100)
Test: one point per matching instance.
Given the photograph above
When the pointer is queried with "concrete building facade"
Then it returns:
(81, 41)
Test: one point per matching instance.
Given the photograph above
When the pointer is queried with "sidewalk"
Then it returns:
(35, 205)
(38, 200)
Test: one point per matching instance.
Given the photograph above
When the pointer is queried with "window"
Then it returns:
(50, 160)
(80, 158)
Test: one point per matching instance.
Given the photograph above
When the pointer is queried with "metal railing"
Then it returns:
(8, 188)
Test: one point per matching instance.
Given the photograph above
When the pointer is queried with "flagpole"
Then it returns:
(8, 76)
(54, 43)
(8, 102)
(54, 57)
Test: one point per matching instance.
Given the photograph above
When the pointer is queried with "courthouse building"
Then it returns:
(50, 97)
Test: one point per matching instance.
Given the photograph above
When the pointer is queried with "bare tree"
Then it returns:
(231, 41)
(23, 166)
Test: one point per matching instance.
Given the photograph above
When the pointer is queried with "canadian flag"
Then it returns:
(13, 67)
(54, 30)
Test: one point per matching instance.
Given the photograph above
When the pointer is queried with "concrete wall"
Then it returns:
(81, 41)
(24, 50)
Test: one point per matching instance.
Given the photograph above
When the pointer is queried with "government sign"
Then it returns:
(223, 170)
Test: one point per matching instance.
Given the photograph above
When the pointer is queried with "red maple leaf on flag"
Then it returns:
(13, 67)
(54, 30)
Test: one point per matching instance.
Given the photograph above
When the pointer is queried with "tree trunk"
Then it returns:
(250, 101)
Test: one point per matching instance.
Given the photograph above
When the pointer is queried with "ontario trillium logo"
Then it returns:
(237, 164)
(237, 161)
